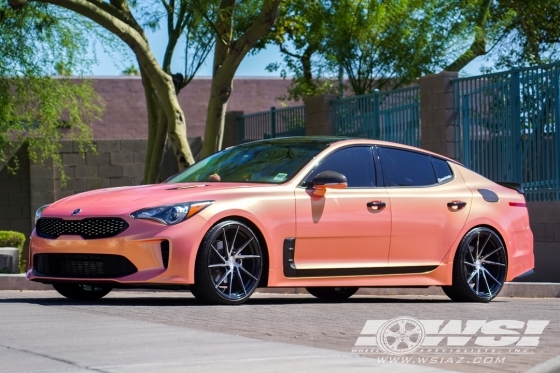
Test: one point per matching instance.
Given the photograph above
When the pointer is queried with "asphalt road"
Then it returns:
(171, 332)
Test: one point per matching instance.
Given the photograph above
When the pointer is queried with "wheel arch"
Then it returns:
(450, 256)
(492, 228)
(266, 264)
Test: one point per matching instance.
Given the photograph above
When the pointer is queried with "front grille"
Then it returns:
(83, 265)
(87, 228)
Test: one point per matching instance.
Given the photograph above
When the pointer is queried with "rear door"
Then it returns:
(429, 206)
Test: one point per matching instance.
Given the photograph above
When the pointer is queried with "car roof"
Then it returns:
(342, 141)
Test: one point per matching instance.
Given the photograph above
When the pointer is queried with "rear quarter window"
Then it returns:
(442, 170)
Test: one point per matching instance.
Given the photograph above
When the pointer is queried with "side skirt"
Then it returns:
(291, 271)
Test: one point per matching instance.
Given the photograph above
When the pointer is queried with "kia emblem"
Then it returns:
(76, 211)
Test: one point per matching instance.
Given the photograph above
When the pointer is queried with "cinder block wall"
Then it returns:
(545, 224)
(15, 198)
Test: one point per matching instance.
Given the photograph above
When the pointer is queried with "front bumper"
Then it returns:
(141, 244)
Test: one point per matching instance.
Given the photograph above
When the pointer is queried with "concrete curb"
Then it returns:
(19, 282)
(511, 289)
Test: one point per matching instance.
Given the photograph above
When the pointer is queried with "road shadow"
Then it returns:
(189, 301)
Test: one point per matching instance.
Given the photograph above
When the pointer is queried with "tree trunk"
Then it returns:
(151, 105)
(165, 121)
(170, 122)
(478, 46)
(216, 112)
(228, 54)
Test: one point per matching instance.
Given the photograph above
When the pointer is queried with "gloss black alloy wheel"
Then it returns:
(229, 264)
(81, 291)
(332, 293)
(479, 268)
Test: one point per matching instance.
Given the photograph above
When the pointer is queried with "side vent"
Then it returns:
(165, 253)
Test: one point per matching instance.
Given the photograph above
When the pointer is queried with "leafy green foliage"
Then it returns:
(525, 33)
(14, 239)
(385, 44)
(373, 44)
(35, 42)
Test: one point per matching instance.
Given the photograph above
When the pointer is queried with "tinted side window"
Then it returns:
(405, 168)
(355, 163)
(442, 170)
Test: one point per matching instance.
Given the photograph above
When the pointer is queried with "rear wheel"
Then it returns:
(479, 267)
(228, 264)
(332, 293)
(81, 291)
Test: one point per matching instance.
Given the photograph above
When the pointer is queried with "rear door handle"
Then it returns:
(456, 205)
(376, 205)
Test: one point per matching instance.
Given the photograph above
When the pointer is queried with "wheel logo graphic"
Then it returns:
(401, 336)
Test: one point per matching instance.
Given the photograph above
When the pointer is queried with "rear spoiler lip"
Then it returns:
(515, 186)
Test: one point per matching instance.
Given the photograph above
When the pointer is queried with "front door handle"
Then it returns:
(456, 205)
(376, 205)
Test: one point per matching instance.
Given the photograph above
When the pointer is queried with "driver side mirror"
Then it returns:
(328, 179)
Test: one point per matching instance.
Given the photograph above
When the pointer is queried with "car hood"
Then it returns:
(123, 200)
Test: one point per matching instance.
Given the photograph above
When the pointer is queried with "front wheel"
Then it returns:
(228, 265)
(479, 267)
(81, 291)
(332, 293)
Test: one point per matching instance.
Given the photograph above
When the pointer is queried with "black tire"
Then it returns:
(479, 267)
(199, 297)
(229, 264)
(332, 293)
(81, 291)
(451, 293)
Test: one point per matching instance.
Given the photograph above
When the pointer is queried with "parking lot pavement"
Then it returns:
(171, 331)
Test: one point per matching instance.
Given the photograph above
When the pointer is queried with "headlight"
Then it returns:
(39, 212)
(171, 214)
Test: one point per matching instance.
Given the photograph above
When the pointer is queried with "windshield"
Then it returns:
(272, 161)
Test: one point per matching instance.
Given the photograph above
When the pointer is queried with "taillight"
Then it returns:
(518, 204)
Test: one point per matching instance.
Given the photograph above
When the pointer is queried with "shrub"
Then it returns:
(14, 239)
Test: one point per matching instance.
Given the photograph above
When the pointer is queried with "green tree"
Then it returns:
(385, 44)
(528, 32)
(299, 33)
(129, 21)
(389, 43)
(511, 33)
(34, 107)
(372, 43)
(195, 25)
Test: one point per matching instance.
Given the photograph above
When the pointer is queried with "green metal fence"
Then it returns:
(273, 123)
(507, 128)
(390, 116)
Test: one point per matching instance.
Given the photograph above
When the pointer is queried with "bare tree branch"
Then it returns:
(478, 46)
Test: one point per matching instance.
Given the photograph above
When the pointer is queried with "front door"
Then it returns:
(347, 231)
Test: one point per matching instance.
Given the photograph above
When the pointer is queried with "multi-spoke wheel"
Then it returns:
(228, 264)
(332, 293)
(81, 291)
(479, 268)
